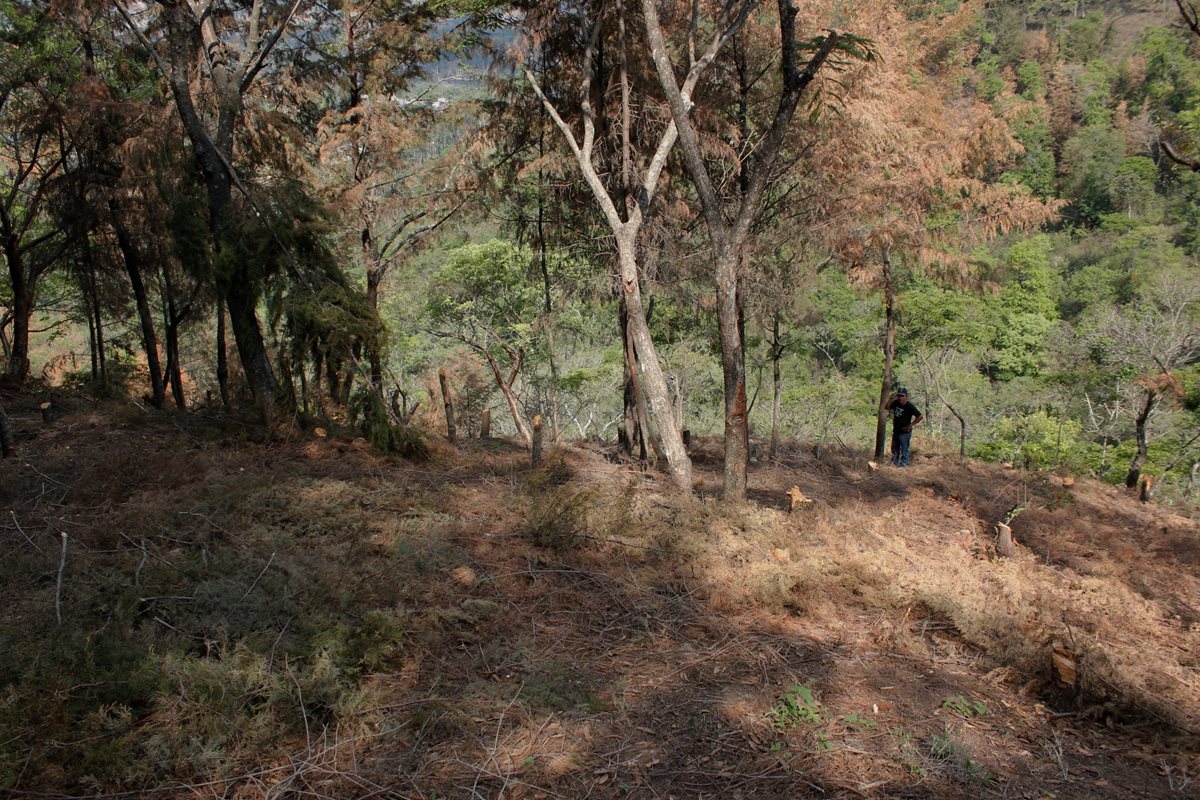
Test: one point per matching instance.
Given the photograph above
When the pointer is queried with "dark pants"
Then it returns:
(900, 442)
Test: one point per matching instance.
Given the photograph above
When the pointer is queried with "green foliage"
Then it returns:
(964, 707)
(1036, 440)
(484, 293)
(796, 707)
(377, 426)
(1026, 309)
(1030, 83)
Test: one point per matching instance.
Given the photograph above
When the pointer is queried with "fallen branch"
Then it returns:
(62, 565)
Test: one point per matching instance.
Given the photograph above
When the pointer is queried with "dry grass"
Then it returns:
(305, 619)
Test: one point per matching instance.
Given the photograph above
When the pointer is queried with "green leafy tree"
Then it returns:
(484, 296)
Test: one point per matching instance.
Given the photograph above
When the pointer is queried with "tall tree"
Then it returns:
(34, 156)
(625, 213)
(729, 223)
(215, 52)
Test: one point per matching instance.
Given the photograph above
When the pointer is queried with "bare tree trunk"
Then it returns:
(889, 357)
(1139, 458)
(222, 358)
(510, 396)
(17, 369)
(733, 368)
(447, 405)
(962, 430)
(635, 420)
(776, 384)
(133, 266)
(665, 436)
(5, 344)
(535, 448)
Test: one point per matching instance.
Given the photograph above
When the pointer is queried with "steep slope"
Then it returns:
(302, 618)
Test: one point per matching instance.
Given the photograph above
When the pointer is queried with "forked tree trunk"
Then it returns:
(729, 233)
(889, 358)
(510, 396)
(665, 436)
(1141, 435)
(133, 267)
(962, 430)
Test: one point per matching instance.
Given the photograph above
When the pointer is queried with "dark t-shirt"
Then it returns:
(903, 415)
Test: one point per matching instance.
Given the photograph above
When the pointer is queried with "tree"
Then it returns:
(729, 224)
(385, 177)
(237, 42)
(34, 156)
(484, 297)
(1151, 340)
(910, 172)
(626, 223)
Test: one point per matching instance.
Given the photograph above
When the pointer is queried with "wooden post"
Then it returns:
(447, 403)
(1146, 490)
(45, 408)
(687, 439)
(536, 453)
(485, 424)
(1004, 540)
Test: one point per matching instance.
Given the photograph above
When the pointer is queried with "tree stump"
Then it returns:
(687, 439)
(45, 409)
(485, 424)
(447, 404)
(797, 499)
(1065, 667)
(535, 453)
(1004, 540)
(1146, 488)
(1068, 482)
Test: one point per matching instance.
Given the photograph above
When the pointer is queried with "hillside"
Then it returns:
(303, 618)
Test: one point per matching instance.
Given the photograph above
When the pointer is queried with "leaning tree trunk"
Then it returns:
(1140, 425)
(665, 436)
(733, 368)
(962, 430)
(889, 358)
(133, 266)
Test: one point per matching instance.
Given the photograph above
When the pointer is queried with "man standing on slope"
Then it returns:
(904, 417)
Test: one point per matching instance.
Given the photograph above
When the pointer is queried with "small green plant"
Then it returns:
(964, 707)
(823, 741)
(854, 719)
(796, 706)
(944, 749)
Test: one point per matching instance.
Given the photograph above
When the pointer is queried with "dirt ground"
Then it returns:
(578, 631)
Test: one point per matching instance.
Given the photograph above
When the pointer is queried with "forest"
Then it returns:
(589, 271)
(306, 213)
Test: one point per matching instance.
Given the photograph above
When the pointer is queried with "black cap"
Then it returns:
(903, 391)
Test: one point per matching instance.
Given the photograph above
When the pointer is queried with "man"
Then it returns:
(904, 417)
